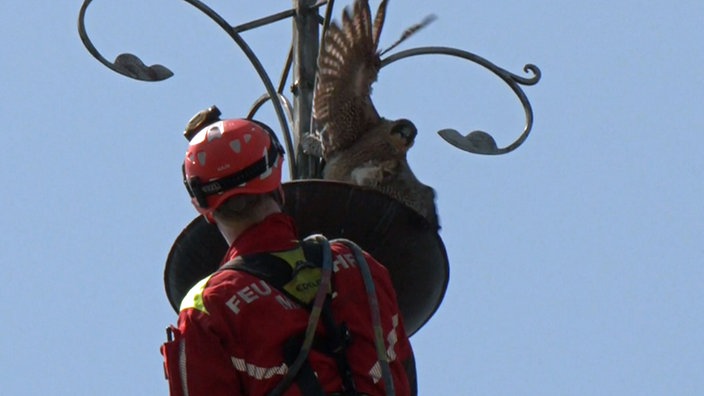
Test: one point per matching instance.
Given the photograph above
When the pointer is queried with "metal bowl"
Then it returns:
(394, 234)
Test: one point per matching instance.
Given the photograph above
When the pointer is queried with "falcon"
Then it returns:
(357, 144)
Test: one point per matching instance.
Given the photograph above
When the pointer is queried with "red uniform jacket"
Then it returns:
(232, 326)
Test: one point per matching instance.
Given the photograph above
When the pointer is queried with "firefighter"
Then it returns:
(241, 333)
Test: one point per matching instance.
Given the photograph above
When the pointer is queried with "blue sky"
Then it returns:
(576, 261)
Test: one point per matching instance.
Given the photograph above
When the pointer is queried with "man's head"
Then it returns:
(234, 161)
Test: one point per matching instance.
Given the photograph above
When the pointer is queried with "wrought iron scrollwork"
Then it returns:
(127, 64)
(478, 142)
(132, 66)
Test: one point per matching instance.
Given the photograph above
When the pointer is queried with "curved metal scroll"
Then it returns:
(265, 98)
(127, 64)
(480, 142)
(130, 65)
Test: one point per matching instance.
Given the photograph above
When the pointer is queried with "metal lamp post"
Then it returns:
(396, 235)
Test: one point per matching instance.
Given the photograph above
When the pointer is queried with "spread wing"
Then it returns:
(348, 65)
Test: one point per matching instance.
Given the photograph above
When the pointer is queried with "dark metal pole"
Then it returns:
(305, 54)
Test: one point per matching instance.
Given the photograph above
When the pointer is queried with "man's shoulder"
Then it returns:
(225, 279)
(214, 286)
(344, 257)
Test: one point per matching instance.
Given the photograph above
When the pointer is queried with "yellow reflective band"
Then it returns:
(291, 256)
(194, 298)
(304, 284)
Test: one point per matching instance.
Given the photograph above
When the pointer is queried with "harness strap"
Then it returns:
(306, 379)
(288, 277)
(339, 338)
(382, 356)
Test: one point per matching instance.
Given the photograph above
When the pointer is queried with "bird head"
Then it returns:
(403, 133)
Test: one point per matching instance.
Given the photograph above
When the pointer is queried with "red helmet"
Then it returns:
(228, 158)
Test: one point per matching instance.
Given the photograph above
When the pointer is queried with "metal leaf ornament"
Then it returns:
(477, 142)
(131, 66)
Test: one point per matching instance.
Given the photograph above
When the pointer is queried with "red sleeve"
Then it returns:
(396, 342)
(196, 361)
(400, 352)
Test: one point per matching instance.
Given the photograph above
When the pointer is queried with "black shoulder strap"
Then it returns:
(287, 276)
(274, 270)
(296, 273)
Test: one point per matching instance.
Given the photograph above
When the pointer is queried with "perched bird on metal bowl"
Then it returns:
(356, 143)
